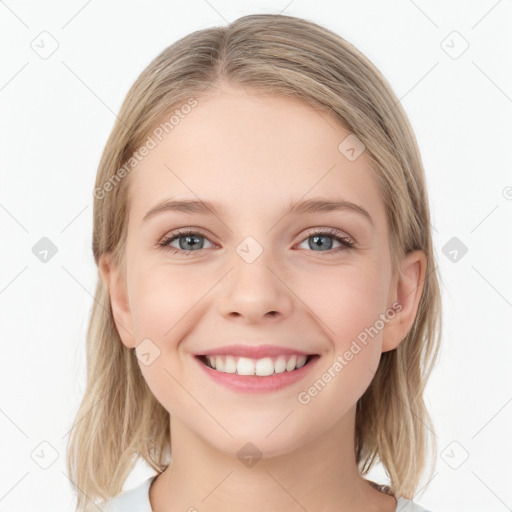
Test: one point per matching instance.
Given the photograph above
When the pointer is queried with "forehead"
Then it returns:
(252, 150)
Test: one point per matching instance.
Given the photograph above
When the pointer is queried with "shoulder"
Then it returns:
(137, 500)
(405, 505)
(132, 500)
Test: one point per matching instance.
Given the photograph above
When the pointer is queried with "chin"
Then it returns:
(253, 439)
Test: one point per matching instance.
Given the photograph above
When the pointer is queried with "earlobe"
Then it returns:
(115, 282)
(407, 290)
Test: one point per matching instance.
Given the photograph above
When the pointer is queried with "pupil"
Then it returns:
(323, 246)
(188, 240)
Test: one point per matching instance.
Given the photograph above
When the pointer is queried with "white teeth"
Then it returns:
(244, 366)
(261, 367)
(292, 362)
(230, 366)
(219, 364)
(280, 364)
(265, 367)
(301, 361)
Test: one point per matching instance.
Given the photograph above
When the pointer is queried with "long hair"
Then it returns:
(119, 420)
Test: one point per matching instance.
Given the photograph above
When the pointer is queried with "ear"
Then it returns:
(406, 294)
(115, 282)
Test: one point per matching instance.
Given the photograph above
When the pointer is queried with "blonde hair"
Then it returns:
(119, 420)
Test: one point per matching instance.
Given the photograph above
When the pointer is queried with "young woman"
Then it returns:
(267, 310)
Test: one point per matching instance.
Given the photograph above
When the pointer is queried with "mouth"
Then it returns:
(262, 367)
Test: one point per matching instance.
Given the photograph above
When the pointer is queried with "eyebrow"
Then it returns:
(294, 208)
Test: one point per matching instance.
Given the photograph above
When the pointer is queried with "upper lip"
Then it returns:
(252, 351)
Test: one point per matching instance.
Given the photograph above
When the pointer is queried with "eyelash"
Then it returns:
(346, 242)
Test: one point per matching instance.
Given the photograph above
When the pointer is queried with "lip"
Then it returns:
(255, 383)
(252, 351)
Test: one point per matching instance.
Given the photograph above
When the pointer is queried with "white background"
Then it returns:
(56, 116)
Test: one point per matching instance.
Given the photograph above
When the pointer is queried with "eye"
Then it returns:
(193, 241)
(188, 241)
(320, 239)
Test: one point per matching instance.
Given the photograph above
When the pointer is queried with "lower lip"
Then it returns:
(255, 383)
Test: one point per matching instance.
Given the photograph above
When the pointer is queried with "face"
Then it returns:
(256, 280)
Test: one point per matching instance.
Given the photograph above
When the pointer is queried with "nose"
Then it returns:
(255, 292)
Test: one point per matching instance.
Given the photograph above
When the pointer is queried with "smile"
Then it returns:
(261, 367)
(262, 375)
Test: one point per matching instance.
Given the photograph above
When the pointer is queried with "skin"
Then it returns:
(253, 154)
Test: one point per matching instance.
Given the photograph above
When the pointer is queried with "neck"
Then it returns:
(319, 475)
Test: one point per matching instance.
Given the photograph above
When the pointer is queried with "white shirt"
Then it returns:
(137, 500)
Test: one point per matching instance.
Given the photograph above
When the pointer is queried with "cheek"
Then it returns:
(163, 302)
(347, 299)
(166, 304)
(162, 380)
(353, 301)
(161, 299)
